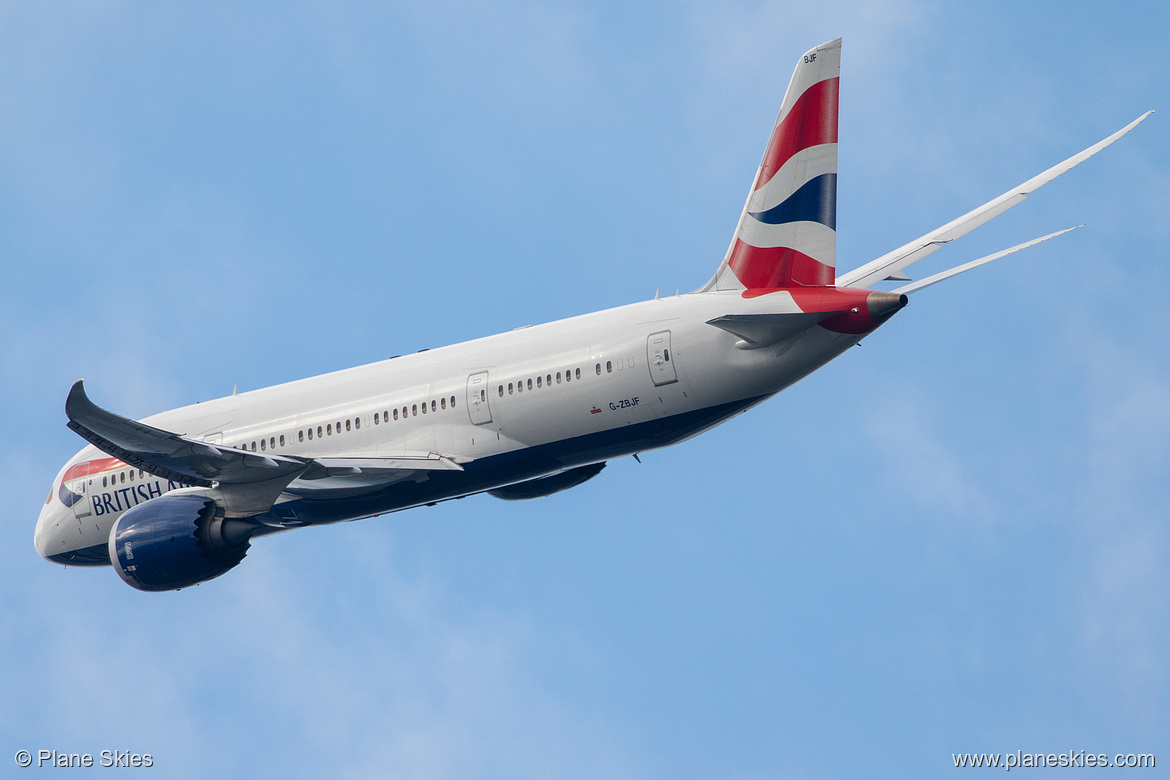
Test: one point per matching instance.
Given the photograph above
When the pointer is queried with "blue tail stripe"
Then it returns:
(815, 201)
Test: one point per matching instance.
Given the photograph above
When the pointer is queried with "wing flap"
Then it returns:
(380, 466)
(337, 477)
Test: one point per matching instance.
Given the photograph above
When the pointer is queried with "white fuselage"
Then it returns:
(507, 408)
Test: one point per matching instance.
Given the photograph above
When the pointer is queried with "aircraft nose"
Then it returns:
(48, 538)
(883, 305)
(43, 532)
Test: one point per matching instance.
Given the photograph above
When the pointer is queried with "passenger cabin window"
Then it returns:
(538, 382)
(443, 402)
(262, 445)
(272, 443)
(452, 402)
(347, 425)
(395, 413)
(376, 418)
(253, 446)
(558, 377)
(501, 391)
(609, 366)
(282, 440)
(414, 410)
(301, 435)
(357, 423)
(548, 380)
(433, 406)
(598, 369)
(509, 388)
(329, 429)
(576, 373)
(529, 384)
(318, 431)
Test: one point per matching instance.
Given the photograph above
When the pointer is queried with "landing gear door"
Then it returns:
(660, 359)
(477, 398)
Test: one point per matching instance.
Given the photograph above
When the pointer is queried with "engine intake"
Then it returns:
(176, 541)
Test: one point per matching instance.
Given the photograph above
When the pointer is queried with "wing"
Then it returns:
(248, 483)
(892, 263)
(170, 455)
(959, 269)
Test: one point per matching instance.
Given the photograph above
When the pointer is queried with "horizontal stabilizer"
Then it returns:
(764, 330)
(905, 256)
(928, 281)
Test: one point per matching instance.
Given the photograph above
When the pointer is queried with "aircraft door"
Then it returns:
(80, 490)
(477, 398)
(659, 358)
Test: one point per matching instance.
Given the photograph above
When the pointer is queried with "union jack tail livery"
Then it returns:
(787, 233)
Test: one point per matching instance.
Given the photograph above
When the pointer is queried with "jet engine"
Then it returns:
(176, 540)
(546, 486)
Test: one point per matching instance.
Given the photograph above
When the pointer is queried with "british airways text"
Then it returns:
(122, 499)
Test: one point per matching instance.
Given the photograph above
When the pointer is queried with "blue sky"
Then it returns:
(953, 539)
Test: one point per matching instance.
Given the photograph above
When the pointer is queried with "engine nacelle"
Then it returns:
(176, 540)
(546, 486)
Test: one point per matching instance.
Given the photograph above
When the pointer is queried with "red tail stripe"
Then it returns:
(776, 267)
(811, 121)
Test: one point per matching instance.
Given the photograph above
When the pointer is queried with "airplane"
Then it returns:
(177, 498)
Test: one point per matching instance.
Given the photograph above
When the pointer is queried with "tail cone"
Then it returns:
(883, 305)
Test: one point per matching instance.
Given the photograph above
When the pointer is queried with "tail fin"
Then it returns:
(787, 233)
